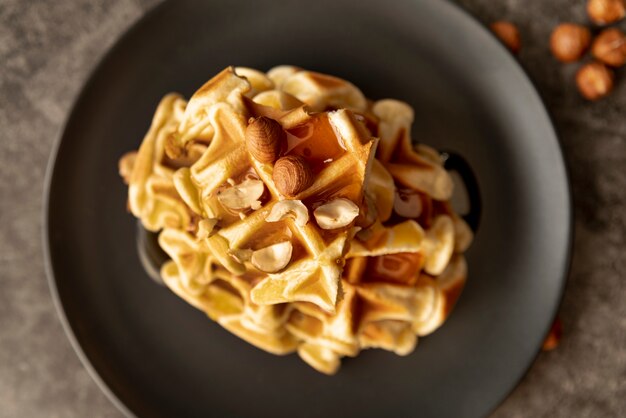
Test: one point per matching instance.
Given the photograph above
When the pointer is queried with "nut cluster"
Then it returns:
(265, 139)
(569, 42)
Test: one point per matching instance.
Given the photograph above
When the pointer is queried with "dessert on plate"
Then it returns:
(299, 215)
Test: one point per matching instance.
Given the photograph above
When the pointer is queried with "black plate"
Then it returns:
(154, 355)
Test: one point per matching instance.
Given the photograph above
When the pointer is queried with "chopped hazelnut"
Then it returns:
(508, 34)
(594, 80)
(336, 214)
(407, 203)
(569, 42)
(289, 208)
(273, 258)
(242, 196)
(610, 47)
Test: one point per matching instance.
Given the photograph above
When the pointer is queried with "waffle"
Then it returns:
(406, 270)
(330, 236)
(149, 172)
(338, 151)
(409, 167)
(378, 309)
(194, 275)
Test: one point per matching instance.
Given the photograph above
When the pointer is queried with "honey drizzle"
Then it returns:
(316, 141)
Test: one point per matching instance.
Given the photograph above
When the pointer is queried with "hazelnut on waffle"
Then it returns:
(283, 186)
(390, 294)
(283, 227)
(388, 301)
(406, 270)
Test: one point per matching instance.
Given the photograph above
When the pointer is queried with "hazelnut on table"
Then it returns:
(594, 80)
(554, 336)
(508, 34)
(604, 12)
(569, 42)
(610, 47)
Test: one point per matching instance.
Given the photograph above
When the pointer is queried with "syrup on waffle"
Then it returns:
(325, 240)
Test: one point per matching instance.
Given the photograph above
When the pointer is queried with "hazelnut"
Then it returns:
(594, 80)
(554, 336)
(292, 175)
(603, 12)
(569, 42)
(336, 214)
(273, 258)
(508, 34)
(289, 208)
(264, 139)
(407, 203)
(242, 196)
(610, 47)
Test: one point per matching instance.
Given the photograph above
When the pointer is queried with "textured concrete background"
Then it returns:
(47, 50)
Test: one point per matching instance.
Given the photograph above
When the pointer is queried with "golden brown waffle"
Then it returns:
(405, 271)
(337, 149)
(378, 310)
(408, 167)
(194, 276)
(149, 172)
(271, 264)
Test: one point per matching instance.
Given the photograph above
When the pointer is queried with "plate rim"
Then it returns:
(88, 81)
(85, 84)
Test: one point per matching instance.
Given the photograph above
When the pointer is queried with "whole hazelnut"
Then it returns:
(264, 139)
(554, 336)
(610, 47)
(569, 42)
(594, 80)
(292, 175)
(603, 12)
(508, 34)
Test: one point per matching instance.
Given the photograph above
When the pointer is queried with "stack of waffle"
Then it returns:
(299, 215)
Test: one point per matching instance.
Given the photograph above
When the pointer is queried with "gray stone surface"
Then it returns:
(47, 50)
